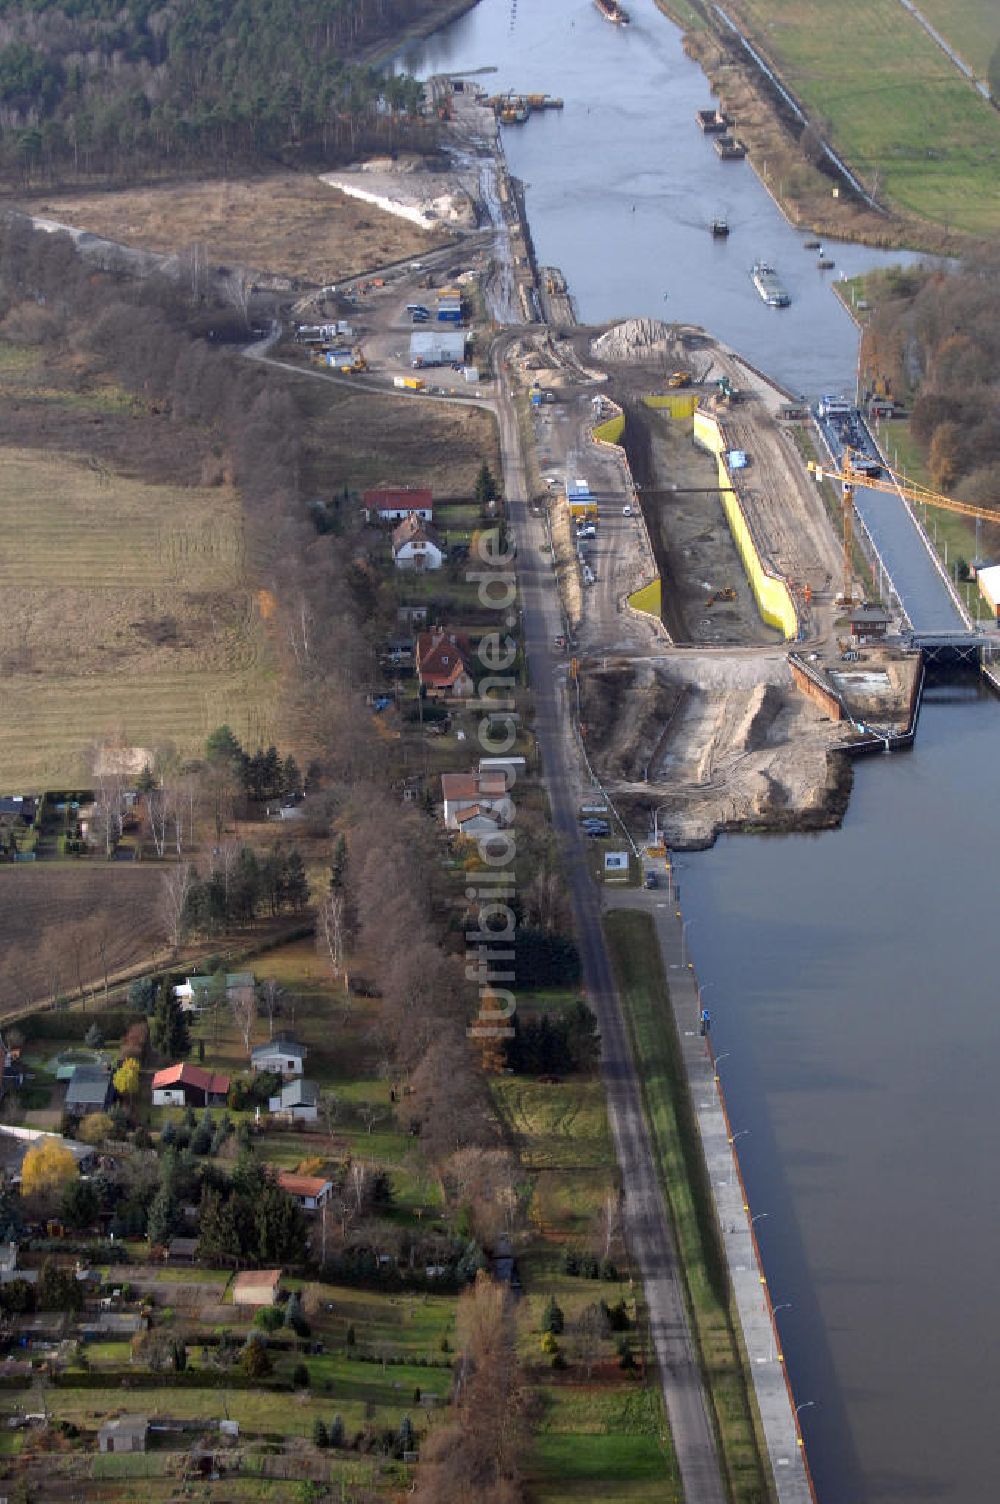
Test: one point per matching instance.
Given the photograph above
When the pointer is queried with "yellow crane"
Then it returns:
(853, 474)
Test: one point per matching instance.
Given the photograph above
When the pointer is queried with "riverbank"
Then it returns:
(784, 155)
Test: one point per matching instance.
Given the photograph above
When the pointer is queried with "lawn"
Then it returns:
(895, 106)
(971, 27)
(639, 971)
(126, 614)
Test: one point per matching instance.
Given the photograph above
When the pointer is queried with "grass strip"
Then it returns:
(635, 954)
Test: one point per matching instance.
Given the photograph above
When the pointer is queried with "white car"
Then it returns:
(626, 510)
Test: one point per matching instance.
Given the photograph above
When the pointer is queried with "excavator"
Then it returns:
(858, 469)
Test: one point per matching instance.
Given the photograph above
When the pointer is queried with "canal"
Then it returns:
(850, 971)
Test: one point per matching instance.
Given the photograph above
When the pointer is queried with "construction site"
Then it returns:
(713, 673)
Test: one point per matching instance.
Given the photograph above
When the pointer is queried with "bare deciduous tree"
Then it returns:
(271, 997)
(173, 901)
(244, 1008)
(331, 934)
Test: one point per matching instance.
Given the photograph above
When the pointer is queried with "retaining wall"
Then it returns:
(770, 590)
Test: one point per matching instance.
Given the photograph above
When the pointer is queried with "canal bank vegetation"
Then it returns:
(932, 339)
(683, 1175)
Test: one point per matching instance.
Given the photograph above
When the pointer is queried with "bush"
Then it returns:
(269, 1318)
(548, 1344)
(336, 1434)
(321, 1437)
(300, 1376)
(93, 1038)
(553, 1319)
(255, 1362)
(626, 1358)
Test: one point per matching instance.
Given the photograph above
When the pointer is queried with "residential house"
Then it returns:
(127, 1433)
(194, 992)
(475, 822)
(484, 792)
(311, 1191)
(189, 1086)
(89, 1090)
(444, 663)
(283, 1056)
(297, 1102)
(415, 545)
(393, 503)
(257, 1287)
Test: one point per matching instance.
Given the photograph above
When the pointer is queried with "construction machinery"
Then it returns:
(859, 469)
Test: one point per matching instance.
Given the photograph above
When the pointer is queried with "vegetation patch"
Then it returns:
(683, 1176)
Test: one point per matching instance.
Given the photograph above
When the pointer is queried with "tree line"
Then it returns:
(122, 86)
(935, 335)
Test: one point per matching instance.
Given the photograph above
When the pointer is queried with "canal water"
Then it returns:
(849, 973)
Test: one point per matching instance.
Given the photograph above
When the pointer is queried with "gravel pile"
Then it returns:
(642, 341)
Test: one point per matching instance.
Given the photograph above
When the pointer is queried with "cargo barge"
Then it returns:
(612, 11)
(769, 285)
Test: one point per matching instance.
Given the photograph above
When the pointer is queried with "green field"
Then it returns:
(971, 26)
(898, 109)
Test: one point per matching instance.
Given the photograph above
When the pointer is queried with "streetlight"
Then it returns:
(806, 1405)
(732, 1144)
(718, 1061)
(656, 818)
(684, 929)
(786, 1305)
(757, 1217)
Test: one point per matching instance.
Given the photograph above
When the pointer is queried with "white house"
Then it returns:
(415, 545)
(312, 1192)
(484, 792)
(284, 1056)
(473, 822)
(194, 993)
(297, 1102)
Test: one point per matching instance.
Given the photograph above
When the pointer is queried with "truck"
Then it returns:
(409, 383)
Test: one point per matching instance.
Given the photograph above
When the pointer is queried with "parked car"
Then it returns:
(626, 510)
(649, 880)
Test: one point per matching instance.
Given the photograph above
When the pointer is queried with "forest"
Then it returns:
(935, 335)
(124, 87)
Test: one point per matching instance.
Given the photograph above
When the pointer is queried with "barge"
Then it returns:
(769, 285)
(612, 11)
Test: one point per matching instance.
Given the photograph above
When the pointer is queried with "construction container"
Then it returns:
(471, 375)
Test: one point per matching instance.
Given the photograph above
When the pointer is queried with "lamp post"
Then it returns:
(786, 1305)
(716, 1078)
(685, 925)
(758, 1217)
(806, 1405)
(732, 1144)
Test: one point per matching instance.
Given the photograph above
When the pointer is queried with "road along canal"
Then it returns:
(851, 971)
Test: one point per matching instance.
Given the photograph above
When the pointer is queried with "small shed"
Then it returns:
(184, 1250)
(127, 1433)
(298, 1101)
(257, 1287)
(869, 621)
(310, 1191)
(285, 1056)
(988, 580)
(89, 1089)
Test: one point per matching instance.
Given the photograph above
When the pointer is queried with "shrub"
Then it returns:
(93, 1038)
(548, 1344)
(609, 1270)
(256, 1363)
(300, 1376)
(553, 1319)
(351, 1336)
(269, 1318)
(336, 1434)
(321, 1437)
(626, 1358)
(571, 1262)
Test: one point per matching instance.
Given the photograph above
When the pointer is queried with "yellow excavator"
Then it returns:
(859, 469)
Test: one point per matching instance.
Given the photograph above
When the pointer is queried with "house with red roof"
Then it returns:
(444, 664)
(189, 1086)
(393, 503)
(310, 1191)
(484, 792)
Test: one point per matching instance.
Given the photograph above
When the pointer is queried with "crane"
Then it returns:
(859, 469)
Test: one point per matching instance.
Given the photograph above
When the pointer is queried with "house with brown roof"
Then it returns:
(393, 503)
(189, 1086)
(257, 1287)
(415, 544)
(310, 1191)
(444, 663)
(475, 822)
(485, 792)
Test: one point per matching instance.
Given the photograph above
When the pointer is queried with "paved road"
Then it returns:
(775, 1401)
(649, 1234)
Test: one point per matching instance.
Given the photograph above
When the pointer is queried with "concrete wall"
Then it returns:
(813, 690)
(771, 592)
(682, 404)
